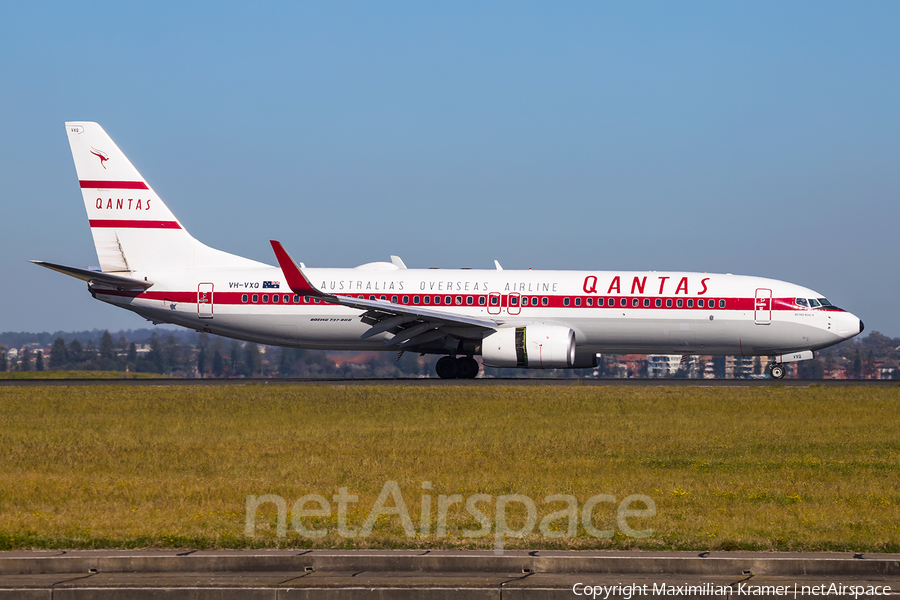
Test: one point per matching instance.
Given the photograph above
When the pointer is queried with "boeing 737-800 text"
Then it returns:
(151, 265)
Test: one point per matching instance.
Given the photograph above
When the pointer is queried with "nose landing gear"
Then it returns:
(464, 367)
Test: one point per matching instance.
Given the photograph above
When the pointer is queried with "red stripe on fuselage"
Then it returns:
(236, 298)
(135, 224)
(113, 185)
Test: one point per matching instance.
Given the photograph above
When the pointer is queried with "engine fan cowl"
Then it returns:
(530, 347)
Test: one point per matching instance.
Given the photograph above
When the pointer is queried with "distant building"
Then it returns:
(663, 365)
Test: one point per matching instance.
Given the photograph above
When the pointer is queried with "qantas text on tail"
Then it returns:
(151, 265)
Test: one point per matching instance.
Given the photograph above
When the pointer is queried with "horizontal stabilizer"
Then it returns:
(118, 281)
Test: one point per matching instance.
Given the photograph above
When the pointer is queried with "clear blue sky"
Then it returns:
(758, 138)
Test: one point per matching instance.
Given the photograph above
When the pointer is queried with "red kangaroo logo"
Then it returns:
(103, 156)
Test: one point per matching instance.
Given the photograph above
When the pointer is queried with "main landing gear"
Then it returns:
(464, 367)
(776, 370)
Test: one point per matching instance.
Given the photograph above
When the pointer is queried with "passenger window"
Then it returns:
(481, 301)
(244, 298)
(265, 298)
(394, 299)
(534, 300)
(275, 298)
(255, 298)
(600, 301)
(721, 304)
(317, 300)
(565, 301)
(589, 301)
(383, 298)
(668, 303)
(416, 299)
(658, 302)
(459, 300)
(646, 302)
(405, 299)
(700, 303)
(513, 301)
(437, 299)
(624, 302)
(296, 299)
(495, 300)
(469, 300)
(577, 301)
(635, 302)
(691, 303)
(448, 300)
(286, 299)
(679, 303)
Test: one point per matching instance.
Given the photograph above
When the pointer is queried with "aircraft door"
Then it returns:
(762, 306)
(205, 300)
(493, 303)
(513, 303)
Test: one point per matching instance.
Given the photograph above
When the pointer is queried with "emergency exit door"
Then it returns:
(205, 300)
(762, 306)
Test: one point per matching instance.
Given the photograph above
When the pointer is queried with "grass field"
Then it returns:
(728, 468)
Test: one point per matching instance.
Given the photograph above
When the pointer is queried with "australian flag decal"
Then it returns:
(271, 285)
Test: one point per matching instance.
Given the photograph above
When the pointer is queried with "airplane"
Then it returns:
(151, 265)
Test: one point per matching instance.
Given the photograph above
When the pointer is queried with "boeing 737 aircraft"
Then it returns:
(151, 265)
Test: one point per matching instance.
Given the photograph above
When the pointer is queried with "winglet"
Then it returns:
(296, 280)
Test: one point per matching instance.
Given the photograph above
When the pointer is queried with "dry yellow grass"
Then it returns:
(750, 468)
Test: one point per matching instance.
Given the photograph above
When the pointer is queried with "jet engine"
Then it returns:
(530, 347)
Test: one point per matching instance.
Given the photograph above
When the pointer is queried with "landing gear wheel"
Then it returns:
(777, 371)
(463, 368)
(468, 368)
(447, 368)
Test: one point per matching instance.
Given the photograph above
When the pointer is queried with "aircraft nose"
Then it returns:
(849, 325)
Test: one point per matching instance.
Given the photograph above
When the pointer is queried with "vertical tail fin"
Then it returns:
(133, 229)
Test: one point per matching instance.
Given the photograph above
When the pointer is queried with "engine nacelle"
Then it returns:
(530, 347)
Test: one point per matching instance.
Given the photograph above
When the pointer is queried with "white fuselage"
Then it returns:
(610, 312)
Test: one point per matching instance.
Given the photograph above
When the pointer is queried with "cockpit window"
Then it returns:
(825, 302)
(802, 302)
(813, 303)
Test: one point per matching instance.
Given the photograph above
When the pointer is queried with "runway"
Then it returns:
(435, 382)
(352, 574)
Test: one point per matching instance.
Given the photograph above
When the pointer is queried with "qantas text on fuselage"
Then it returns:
(151, 265)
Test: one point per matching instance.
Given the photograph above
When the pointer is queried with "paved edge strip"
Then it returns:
(452, 562)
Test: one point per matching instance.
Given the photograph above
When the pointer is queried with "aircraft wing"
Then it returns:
(118, 281)
(411, 325)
